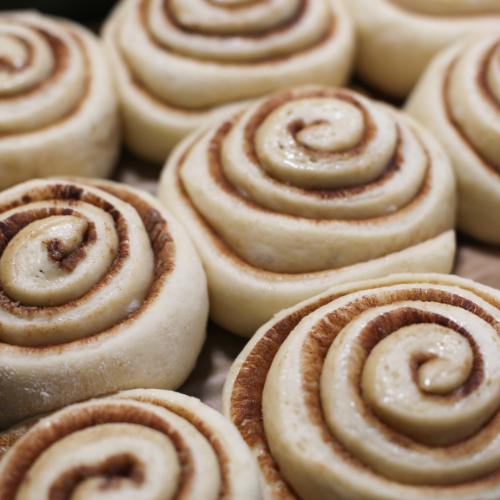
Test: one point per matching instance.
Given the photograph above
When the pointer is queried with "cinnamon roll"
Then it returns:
(387, 388)
(147, 444)
(58, 111)
(176, 62)
(308, 188)
(398, 38)
(458, 98)
(100, 290)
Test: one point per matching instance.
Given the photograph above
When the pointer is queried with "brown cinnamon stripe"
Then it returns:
(59, 50)
(216, 239)
(78, 418)
(284, 97)
(271, 60)
(9, 66)
(388, 323)
(208, 230)
(297, 126)
(368, 136)
(70, 195)
(320, 339)
(113, 469)
(285, 25)
(50, 192)
(10, 437)
(217, 173)
(482, 84)
(246, 397)
(56, 249)
(206, 431)
(142, 88)
(162, 243)
(482, 77)
(11, 226)
(237, 6)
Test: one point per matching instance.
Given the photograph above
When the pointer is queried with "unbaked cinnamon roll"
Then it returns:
(398, 38)
(458, 99)
(305, 189)
(147, 444)
(176, 62)
(386, 388)
(58, 111)
(100, 290)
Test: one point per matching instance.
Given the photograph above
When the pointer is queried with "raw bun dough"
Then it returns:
(148, 444)
(136, 300)
(388, 388)
(458, 99)
(58, 110)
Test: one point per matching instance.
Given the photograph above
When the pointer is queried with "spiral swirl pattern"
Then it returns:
(58, 112)
(380, 389)
(398, 38)
(301, 188)
(177, 61)
(96, 282)
(147, 444)
(458, 98)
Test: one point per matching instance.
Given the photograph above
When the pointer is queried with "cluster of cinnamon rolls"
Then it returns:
(288, 205)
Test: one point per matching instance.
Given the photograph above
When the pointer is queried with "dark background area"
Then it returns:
(79, 10)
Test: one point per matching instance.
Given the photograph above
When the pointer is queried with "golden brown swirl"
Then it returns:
(58, 112)
(387, 388)
(176, 62)
(96, 282)
(398, 38)
(307, 188)
(150, 444)
(458, 98)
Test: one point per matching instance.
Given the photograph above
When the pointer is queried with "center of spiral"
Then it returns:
(341, 128)
(26, 59)
(308, 143)
(14, 55)
(442, 375)
(55, 260)
(407, 369)
(112, 460)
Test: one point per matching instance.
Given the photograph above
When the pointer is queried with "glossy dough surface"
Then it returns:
(398, 38)
(176, 62)
(306, 189)
(458, 99)
(101, 290)
(147, 444)
(58, 111)
(386, 388)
